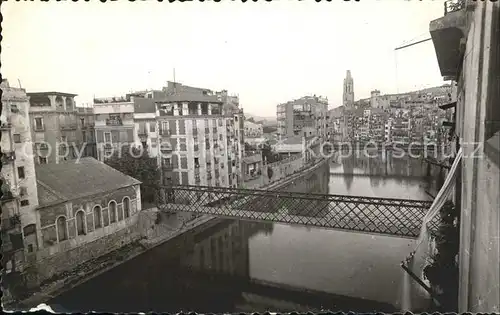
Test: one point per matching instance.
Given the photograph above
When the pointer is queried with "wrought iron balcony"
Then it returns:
(453, 6)
(8, 156)
(448, 34)
(11, 223)
(68, 127)
(164, 133)
(114, 122)
(5, 126)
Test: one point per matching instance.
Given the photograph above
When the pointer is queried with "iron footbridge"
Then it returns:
(398, 217)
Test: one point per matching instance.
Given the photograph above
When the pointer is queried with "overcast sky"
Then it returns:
(266, 52)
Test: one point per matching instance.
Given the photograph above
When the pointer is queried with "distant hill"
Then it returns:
(266, 121)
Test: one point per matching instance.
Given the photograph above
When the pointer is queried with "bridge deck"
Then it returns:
(398, 217)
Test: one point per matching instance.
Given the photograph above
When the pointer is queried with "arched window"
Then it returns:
(80, 223)
(97, 217)
(112, 211)
(62, 230)
(105, 216)
(126, 207)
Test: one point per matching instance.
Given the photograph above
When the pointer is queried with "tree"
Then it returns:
(140, 166)
(269, 129)
(268, 155)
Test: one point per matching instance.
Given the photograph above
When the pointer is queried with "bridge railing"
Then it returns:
(400, 217)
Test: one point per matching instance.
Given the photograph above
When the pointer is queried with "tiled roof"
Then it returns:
(71, 180)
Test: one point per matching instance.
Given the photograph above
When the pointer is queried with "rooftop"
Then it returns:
(190, 97)
(70, 180)
(51, 93)
(144, 105)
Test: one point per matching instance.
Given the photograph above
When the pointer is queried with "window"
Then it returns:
(42, 160)
(80, 223)
(112, 211)
(17, 138)
(105, 216)
(30, 248)
(82, 121)
(39, 123)
(126, 207)
(20, 172)
(97, 217)
(13, 108)
(62, 230)
(107, 137)
(152, 127)
(84, 136)
(25, 203)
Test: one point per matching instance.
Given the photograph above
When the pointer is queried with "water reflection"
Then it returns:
(206, 270)
(236, 266)
(384, 175)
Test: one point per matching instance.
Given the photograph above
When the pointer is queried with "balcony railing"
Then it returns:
(8, 156)
(68, 127)
(453, 6)
(114, 122)
(5, 126)
(11, 223)
(165, 133)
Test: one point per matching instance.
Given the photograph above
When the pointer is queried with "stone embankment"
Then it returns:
(155, 228)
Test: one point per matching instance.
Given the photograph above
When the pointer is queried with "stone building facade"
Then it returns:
(467, 44)
(86, 210)
(20, 199)
(56, 128)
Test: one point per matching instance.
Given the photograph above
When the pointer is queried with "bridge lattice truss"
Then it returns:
(399, 217)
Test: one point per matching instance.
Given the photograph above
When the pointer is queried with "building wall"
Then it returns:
(61, 121)
(479, 240)
(205, 148)
(24, 189)
(146, 129)
(55, 255)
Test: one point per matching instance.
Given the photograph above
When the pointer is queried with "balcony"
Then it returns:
(164, 133)
(68, 127)
(114, 122)
(8, 156)
(448, 34)
(143, 134)
(5, 126)
(11, 223)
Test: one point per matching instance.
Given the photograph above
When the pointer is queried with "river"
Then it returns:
(239, 266)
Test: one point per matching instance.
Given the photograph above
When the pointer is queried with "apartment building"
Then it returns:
(198, 140)
(306, 116)
(114, 124)
(252, 130)
(146, 133)
(86, 124)
(20, 198)
(56, 127)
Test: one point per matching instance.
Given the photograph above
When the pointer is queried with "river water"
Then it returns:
(239, 266)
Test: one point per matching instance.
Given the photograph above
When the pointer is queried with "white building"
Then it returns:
(198, 141)
(19, 187)
(253, 130)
